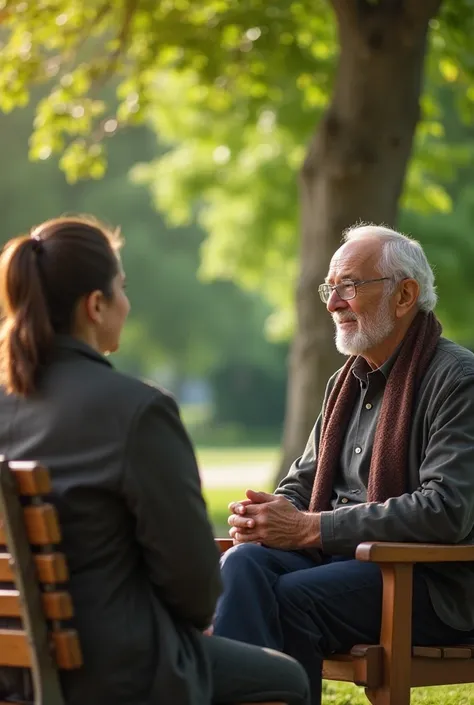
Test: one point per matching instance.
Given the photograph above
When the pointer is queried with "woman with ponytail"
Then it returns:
(46, 279)
(144, 572)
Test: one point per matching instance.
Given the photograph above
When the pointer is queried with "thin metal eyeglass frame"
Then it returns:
(323, 287)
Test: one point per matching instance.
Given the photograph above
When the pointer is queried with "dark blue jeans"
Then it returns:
(285, 601)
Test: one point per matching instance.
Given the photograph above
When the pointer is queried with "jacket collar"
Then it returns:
(75, 346)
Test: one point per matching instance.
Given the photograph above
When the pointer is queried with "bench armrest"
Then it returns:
(223, 545)
(384, 552)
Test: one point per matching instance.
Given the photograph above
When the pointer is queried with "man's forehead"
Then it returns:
(354, 259)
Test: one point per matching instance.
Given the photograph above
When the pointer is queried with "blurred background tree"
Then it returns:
(238, 99)
(181, 329)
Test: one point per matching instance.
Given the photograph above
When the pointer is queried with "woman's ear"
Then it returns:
(93, 304)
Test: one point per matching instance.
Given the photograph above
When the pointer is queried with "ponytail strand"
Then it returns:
(26, 332)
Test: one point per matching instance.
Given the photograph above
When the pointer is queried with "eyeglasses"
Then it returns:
(346, 290)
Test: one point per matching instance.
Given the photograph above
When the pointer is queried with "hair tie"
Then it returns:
(37, 244)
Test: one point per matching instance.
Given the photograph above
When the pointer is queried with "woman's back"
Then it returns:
(124, 476)
(117, 454)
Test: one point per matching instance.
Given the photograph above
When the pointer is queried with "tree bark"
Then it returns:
(354, 171)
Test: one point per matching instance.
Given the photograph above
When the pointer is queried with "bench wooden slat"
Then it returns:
(10, 603)
(67, 650)
(467, 646)
(56, 605)
(461, 651)
(427, 652)
(456, 652)
(51, 568)
(6, 569)
(42, 526)
(32, 478)
(15, 651)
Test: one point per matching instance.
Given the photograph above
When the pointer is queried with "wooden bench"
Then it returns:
(37, 572)
(389, 669)
(34, 574)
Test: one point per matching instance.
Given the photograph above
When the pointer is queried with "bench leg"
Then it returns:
(394, 694)
(395, 636)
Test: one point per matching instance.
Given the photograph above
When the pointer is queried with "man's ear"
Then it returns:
(93, 306)
(406, 297)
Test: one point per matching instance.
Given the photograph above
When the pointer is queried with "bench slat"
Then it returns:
(15, 651)
(56, 605)
(32, 478)
(458, 651)
(67, 650)
(427, 652)
(42, 526)
(51, 568)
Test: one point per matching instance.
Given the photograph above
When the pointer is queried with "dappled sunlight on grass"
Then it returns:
(335, 693)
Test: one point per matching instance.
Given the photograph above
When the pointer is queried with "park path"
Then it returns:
(254, 475)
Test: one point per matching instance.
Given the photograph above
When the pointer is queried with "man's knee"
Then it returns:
(242, 557)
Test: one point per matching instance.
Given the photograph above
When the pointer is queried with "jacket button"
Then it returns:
(344, 500)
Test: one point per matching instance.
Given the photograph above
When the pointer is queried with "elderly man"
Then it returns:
(391, 458)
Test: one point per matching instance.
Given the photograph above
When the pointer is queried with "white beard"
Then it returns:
(371, 331)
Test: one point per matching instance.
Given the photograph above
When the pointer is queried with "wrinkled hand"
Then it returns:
(271, 520)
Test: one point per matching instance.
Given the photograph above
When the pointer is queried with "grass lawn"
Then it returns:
(211, 457)
(347, 694)
(334, 693)
(218, 498)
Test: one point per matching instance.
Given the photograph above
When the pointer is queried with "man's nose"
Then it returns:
(335, 303)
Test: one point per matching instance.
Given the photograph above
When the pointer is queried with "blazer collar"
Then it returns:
(75, 346)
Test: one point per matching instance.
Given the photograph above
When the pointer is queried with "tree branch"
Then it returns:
(122, 41)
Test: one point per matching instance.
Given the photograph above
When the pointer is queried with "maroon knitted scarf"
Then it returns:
(387, 477)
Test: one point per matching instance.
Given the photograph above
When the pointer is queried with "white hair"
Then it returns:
(402, 257)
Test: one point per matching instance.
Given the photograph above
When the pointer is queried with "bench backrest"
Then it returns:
(35, 605)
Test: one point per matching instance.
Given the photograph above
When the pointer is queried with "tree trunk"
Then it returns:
(354, 171)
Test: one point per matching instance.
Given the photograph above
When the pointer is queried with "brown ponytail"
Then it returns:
(26, 336)
(42, 278)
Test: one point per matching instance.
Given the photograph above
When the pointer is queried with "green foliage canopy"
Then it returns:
(177, 323)
(236, 88)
